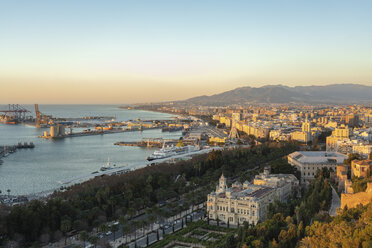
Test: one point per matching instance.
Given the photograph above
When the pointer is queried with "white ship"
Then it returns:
(170, 151)
(108, 166)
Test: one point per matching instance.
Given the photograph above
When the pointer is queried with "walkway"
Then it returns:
(336, 203)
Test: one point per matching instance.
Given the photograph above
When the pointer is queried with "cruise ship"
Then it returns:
(170, 151)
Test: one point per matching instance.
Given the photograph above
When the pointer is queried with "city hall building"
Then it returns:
(240, 203)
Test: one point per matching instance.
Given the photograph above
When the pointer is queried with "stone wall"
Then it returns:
(352, 200)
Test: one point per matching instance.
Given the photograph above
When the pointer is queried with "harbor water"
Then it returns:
(30, 171)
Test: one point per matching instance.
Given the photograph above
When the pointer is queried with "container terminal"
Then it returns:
(58, 132)
(95, 125)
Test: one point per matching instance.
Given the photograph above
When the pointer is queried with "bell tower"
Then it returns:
(306, 126)
(222, 186)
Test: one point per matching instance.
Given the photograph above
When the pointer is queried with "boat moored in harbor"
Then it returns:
(170, 151)
(108, 166)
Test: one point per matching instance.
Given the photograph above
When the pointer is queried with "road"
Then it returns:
(336, 203)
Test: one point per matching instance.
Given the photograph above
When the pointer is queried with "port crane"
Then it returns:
(38, 116)
(15, 112)
(41, 119)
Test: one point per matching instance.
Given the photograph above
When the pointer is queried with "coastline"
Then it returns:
(16, 167)
(154, 110)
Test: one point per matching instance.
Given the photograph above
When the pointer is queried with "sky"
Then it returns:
(76, 51)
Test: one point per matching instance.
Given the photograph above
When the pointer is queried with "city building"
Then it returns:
(301, 136)
(361, 168)
(284, 184)
(308, 162)
(342, 171)
(341, 133)
(239, 203)
(363, 150)
(279, 135)
(257, 129)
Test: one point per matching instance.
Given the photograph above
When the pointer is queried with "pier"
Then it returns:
(147, 143)
(11, 149)
(153, 142)
(92, 132)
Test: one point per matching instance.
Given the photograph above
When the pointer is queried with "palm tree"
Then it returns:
(103, 228)
(8, 190)
(125, 229)
(143, 224)
(152, 219)
(93, 240)
(96, 224)
(123, 221)
(65, 227)
(134, 226)
(131, 212)
(83, 236)
(114, 229)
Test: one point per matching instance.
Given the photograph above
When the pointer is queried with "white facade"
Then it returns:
(308, 162)
(240, 203)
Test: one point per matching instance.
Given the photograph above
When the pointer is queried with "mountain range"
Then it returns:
(334, 93)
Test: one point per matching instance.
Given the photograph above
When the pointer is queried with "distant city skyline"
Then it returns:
(147, 51)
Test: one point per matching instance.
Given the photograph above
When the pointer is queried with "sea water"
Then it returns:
(40, 169)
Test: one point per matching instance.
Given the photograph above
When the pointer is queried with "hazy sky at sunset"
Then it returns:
(140, 51)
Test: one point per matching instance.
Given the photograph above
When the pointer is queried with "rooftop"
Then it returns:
(318, 157)
(255, 191)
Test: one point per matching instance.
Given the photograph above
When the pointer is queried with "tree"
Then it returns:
(103, 228)
(125, 229)
(65, 227)
(131, 212)
(230, 241)
(351, 157)
(95, 201)
(297, 212)
(96, 224)
(300, 230)
(83, 236)
(114, 229)
(123, 222)
(93, 240)
(274, 244)
(8, 190)
(152, 219)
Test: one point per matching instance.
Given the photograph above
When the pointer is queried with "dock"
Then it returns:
(11, 149)
(147, 142)
(94, 132)
(153, 142)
